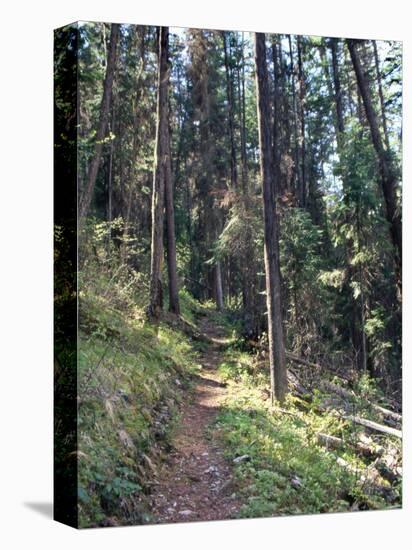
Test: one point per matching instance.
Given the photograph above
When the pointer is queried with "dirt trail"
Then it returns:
(196, 483)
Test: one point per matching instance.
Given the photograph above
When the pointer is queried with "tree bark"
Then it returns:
(386, 168)
(87, 194)
(302, 123)
(243, 125)
(158, 192)
(174, 305)
(276, 115)
(278, 374)
(229, 93)
(338, 89)
(380, 90)
(297, 165)
(218, 286)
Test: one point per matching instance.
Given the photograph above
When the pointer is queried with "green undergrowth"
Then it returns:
(191, 310)
(132, 376)
(284, 470)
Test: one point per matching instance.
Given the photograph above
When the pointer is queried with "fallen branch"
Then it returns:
(374, 426)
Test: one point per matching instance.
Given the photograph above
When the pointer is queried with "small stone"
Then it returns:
(296, 482)
(186, 512)
(178, 382)
(243, 458)
(211, 470)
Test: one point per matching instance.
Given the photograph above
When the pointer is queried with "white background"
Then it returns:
(26, 271)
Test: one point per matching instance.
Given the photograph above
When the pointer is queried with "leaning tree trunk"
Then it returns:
(160, 161)
(386, 168)
(273, 288)
(87, 194)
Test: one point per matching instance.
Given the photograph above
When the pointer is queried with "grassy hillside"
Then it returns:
(283, 466)
(131, 378)
(134, 379)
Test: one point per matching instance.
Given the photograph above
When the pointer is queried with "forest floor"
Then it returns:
(195, 483)
(176, 425)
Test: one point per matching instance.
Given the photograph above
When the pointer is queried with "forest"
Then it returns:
(239, 271)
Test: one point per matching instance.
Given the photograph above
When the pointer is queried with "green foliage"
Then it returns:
(367, 388)
(131, 375)
(288, 472)
(307, 282)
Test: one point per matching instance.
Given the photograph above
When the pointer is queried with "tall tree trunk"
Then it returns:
(174, 305)
(110, 194)
(248, 264)
(386, 168)
(297, 165)
(218, 286)
(285, 119)
(87, 194)
(338, 89)
(160, 161)
(243, 126)
(278, 375)
(302, 123)
(277, 153)
(380, 90)
(229, 93)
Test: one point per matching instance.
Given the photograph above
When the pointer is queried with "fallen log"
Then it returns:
(374, 426)
(396, 417)
(389, 465)
(369, 480)
(333, 442)
(317, 366)
(301, 361)
(291, 356)
(296, 385)
(390, 416)
(387, 470)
